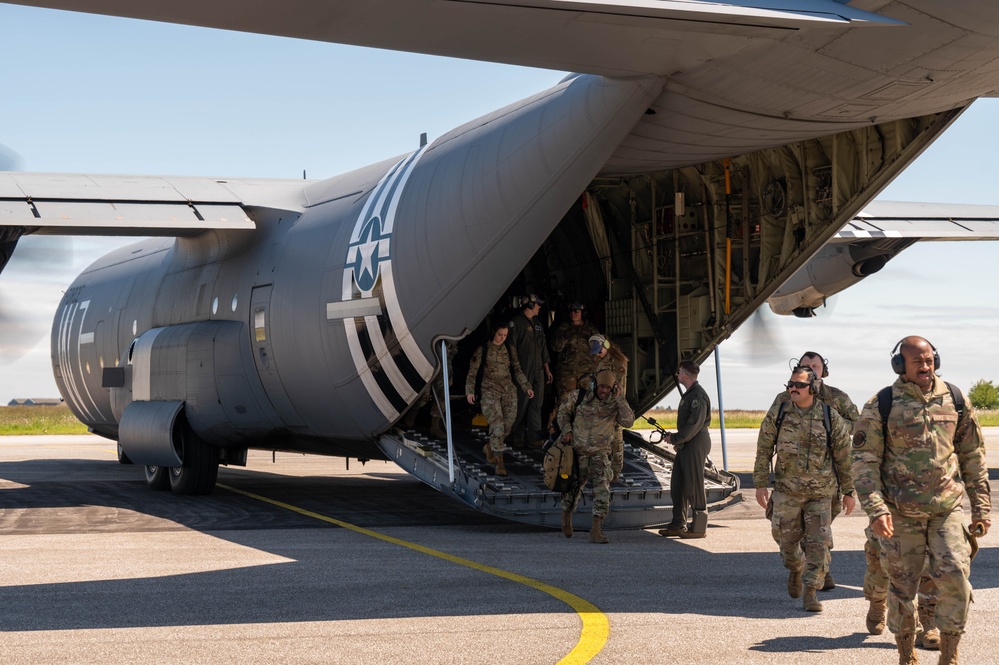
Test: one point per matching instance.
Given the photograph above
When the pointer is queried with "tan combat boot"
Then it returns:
(567, 524)
(436, 430)
(929, 636)
(794, 583)
(828, 584)
(810, 602)
(488, 450)
(500, 464)
(948, 648)
(876, 616)
(596, 535)
(906, 643)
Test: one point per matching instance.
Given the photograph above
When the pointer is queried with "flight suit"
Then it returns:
(528, 336)
(806, 473)
(919, 476)
(693, 443)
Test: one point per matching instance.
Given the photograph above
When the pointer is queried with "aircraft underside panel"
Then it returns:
(640, 500)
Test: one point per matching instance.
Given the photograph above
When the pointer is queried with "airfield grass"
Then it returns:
(18, 420)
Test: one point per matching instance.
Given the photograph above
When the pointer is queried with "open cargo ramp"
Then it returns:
(639, 500)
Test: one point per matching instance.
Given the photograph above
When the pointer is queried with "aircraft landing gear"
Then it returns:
(200, 469)
(158, 477)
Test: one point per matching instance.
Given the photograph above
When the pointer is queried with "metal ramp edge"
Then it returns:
(640, 500)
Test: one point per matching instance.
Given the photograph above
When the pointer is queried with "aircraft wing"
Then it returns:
(114, 205)
(921, 221)
(622, 37)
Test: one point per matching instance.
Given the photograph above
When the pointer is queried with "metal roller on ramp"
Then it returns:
(639, 500)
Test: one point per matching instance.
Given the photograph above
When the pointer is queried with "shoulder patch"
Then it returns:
(859, 440)
(694, 403)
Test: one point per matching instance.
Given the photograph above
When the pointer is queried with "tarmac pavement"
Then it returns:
(298, 559)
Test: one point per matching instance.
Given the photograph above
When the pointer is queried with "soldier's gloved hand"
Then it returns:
(980, 527)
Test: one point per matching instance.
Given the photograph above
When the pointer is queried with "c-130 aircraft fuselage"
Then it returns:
(315, 331)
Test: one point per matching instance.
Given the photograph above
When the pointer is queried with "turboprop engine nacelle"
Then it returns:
(837, 266)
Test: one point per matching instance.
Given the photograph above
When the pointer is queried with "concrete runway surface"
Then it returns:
(296, 559)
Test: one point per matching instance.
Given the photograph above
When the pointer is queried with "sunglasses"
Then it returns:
(798, 384)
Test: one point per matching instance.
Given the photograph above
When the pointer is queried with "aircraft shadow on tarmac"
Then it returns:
(335, 574)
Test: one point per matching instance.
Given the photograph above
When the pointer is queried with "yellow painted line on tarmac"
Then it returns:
(596, 627)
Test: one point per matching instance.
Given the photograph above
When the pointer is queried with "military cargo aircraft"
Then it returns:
(712, 156)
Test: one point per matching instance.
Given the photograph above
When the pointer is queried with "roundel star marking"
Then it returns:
(367, 253)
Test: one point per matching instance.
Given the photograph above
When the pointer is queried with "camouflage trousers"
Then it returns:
(595, 468)
(876, 579)
(500, 410)
(800, 526)
(944, 541)
(428, 396)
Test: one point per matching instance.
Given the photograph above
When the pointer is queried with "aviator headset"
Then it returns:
(898, 360)
(795, 363)
(812, 390)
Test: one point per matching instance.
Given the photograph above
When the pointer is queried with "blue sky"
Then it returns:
(102, 95)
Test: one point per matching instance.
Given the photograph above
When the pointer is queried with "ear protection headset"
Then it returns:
(825, 363)
(812, 390)
(898, 360)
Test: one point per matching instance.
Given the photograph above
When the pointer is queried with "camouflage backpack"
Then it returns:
(561, 468)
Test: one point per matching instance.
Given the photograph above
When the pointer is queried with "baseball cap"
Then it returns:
(575, 304)
(531, 299)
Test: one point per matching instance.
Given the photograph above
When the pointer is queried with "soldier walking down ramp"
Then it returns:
(812, 444)
(693, 444)
(589, 425)
(606, 355)
(912, 469)
(491, 374)
(571, 342)
(528, 338)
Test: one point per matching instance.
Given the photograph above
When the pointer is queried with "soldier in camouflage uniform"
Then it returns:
(808, 468)
(844, 406)
(491, 374)
(912, 483)
(606, 355)
(436, 388)
(589, 425)
(571, 343)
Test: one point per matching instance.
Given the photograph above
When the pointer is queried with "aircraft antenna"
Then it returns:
(423, 139)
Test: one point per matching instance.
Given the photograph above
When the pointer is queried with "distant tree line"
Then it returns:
(984, 395)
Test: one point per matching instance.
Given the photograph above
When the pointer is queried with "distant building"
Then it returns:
(35, 401)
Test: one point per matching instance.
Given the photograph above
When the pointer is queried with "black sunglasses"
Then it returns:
(798, 384)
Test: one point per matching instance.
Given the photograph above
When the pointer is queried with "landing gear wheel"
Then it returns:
(158, 477)
(122, 457)
(200, 469)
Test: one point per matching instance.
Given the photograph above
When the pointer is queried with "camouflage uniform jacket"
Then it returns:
(617, 366)
(929, 460)
(594, 428)
(835, 398)
(528, 336)
(805, 465)
(572, 343)
(693, 414)
(497, 374)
